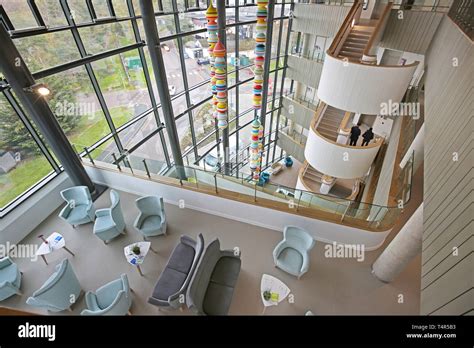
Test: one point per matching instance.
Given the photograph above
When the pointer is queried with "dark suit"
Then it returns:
(355, 132)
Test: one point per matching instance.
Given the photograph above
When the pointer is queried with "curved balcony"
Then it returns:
(328, 156)
(362, 88)
(351, 79)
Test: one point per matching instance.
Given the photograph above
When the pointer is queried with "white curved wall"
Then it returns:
(362, 88)
(336, 160)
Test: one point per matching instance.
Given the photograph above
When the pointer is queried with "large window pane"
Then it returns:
(105, 37)
(100, 8)
(76, 107)
(51, 12)
(43, 51)
(79, 11)
(19, 13)
(22, 164)
(123, 85)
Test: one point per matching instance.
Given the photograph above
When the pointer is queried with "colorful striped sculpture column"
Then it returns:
(211, 15)
(257, 129)
(218, 62)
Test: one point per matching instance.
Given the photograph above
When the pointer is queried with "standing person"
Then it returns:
(355, 132)
(368, 136)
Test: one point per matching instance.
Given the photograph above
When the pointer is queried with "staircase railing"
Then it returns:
(351, 19)
(377, 33)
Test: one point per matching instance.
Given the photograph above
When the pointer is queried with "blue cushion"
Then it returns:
(107, 293)
(151, 222)
(103, 223)
(290, 260)
(78, 213)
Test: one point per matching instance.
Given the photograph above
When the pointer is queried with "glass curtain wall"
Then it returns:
(93, 57)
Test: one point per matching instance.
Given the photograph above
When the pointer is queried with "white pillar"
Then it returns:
(418, 145)
(401, 250)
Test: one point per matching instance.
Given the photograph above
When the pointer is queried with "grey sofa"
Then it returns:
(212, 285)
(170, 289)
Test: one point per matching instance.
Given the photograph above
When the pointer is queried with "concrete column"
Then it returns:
(401, 250)
(417, 146)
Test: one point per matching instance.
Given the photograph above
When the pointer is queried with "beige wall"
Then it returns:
(447, 279)
(322, 20)
(413, 33)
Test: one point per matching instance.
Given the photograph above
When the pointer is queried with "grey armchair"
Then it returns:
(109, 222)
(79, 208)
(292, 253)
(152, 218)
(171, 286)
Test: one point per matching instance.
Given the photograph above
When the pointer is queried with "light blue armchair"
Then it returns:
(79, 209)
(10, 278)
(292, 253)
(113, 298)
(59, 292)
(109, 222)
(152, 219)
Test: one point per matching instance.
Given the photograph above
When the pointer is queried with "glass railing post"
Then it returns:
(255, 193)
(196, 178)
(299, 200)
(86, 150)
(116, 162)
(215, 181)
(146, 169)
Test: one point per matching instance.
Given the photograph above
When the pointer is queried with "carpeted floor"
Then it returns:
(332, 286)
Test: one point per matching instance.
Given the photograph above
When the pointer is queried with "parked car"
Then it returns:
(203, 61)
(186, 56)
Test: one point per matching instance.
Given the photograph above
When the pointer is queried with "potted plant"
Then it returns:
(136, 249)
(267, 295)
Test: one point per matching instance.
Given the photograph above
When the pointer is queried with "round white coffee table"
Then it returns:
(278, 290)
(54, 242)
(134, 259)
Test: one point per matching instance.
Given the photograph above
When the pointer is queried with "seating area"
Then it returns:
(183, 272)
(197, 277)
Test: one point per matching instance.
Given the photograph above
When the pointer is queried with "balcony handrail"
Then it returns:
(270, 195)
(345, 28)
(378, 30)
(343, 126)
